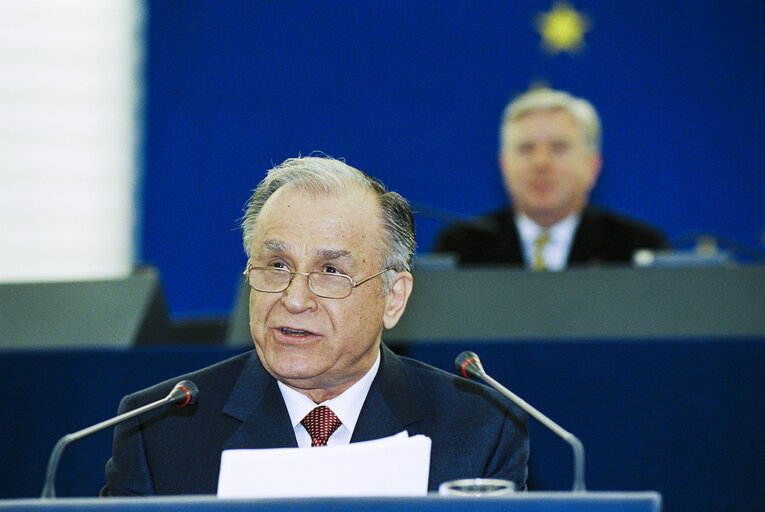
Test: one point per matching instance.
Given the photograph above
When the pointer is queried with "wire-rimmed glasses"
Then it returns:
(324, 284)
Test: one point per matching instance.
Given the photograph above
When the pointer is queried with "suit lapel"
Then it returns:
(390, 406)
(584, 243)
(510, 239)
(258, 403)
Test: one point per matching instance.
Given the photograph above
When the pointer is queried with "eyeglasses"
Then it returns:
(323, 284)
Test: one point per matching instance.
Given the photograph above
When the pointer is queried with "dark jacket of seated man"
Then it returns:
(474, 431)
(601, 237)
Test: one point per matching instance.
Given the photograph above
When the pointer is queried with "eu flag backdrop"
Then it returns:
(412, 92)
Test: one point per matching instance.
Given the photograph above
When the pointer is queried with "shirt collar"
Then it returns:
(346, 406)
(557, 249)
(562, 231)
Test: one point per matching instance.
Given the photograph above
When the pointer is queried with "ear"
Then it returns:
(595, 165)
(397, 299)
(502, 163)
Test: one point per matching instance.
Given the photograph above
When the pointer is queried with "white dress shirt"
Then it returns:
(555, 252)
(346, 406)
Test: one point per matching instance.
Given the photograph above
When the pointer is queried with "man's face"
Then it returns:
(316, 345)
(547, 165)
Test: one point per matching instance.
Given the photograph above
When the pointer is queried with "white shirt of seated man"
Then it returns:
(555, 251)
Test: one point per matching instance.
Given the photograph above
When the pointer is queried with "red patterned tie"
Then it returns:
(320, 424)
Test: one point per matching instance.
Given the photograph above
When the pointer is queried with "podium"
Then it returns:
(493, 304)
(521, 502)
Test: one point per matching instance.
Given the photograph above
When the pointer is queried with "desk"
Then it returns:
(589, 303)
(529, 502)
(500, 303)
(682, 417)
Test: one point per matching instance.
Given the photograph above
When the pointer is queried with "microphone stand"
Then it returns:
(183, 394)
(570, 438)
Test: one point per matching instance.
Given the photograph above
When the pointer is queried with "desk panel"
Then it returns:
(529, 502)
(588, 303)
(501, 303)
(682, 417)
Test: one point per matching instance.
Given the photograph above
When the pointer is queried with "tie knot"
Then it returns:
(542, 239)
(538, 261)
(320, 424)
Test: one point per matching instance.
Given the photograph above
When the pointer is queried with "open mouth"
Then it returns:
(295, 332)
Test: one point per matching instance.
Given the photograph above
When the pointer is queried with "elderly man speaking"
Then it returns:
(329, 260)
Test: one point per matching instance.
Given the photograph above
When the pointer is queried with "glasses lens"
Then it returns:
(269, 280)
(333, 286)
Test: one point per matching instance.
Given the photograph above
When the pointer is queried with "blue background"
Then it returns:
(412, 92)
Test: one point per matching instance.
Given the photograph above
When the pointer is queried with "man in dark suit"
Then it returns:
(550, 160)
(329, 264)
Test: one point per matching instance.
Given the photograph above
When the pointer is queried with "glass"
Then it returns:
(477, 487)
(323, 284)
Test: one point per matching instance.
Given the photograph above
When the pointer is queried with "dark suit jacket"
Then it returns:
(474, 431)
(601, 237)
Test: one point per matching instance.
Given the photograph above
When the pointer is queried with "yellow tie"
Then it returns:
(539, 244)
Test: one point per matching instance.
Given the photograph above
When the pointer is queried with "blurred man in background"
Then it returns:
(550, 161)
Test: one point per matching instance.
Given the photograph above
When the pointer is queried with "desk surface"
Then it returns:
(522, 502)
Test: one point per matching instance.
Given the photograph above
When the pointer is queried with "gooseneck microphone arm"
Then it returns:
(184, 393)
(468, 365)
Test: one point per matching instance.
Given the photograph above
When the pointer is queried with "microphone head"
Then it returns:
(468, 365)
(184, 393)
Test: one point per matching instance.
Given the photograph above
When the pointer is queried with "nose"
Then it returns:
(298, 297)
(540, 158)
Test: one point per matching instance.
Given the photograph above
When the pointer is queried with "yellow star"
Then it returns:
(562, 28)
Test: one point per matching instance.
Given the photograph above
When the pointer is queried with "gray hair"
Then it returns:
(325, 175)
(544, 98)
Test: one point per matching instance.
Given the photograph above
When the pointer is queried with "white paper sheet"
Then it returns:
(392, 466)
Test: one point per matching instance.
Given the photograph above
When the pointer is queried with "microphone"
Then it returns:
(184, 393)
(468, 365)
